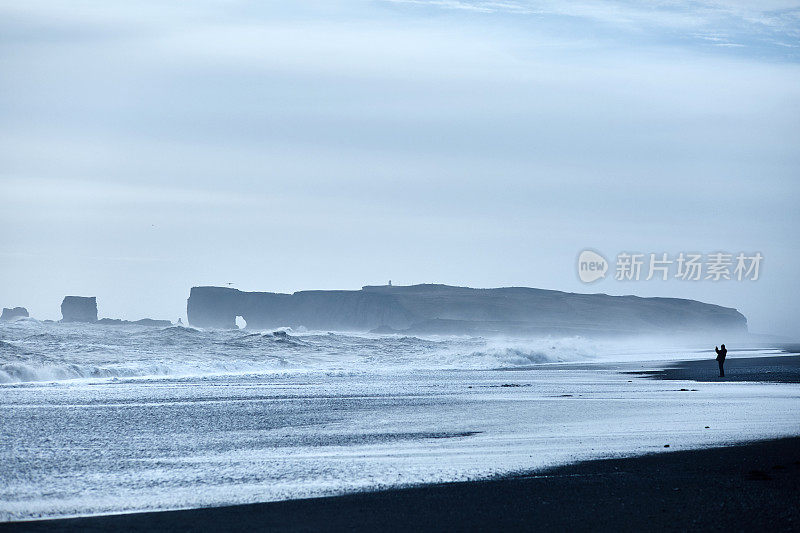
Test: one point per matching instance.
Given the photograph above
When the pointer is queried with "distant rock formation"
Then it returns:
(79, 309)
(143, 322)
(13, 313)
(84, 309)
(443, 309)
(152, 322)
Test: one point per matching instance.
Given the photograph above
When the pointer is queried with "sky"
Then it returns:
(149, 147)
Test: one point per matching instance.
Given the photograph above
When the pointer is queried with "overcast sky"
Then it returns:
(146, 147)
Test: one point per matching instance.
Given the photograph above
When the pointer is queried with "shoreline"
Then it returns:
(769, 369)
(707, 488)
(743, 486)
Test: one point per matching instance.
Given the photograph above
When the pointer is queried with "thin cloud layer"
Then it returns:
(329, 145)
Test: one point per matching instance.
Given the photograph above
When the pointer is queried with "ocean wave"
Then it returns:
(519, 357)
(8, 346)
(51, 352)
(20, 372)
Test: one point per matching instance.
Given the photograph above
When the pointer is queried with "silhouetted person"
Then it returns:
(721, 353)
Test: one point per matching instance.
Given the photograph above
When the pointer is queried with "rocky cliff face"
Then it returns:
(218, 307)
(79, 309)
(444, 309)
(11, 314)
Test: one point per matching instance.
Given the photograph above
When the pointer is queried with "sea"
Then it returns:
(98, 419)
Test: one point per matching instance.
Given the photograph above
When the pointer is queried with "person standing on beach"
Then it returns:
(721, 353)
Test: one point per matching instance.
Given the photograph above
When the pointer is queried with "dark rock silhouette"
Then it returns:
(143, 322)
(84, 309)
(11, 314)
(443, 309)
(721, 354)
(79, 309)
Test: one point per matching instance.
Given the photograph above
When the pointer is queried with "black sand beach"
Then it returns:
(746, 487)
(779, 369)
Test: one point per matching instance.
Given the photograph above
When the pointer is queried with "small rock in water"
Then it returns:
(666, 446)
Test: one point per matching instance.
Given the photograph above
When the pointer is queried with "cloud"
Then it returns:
(760, 24)
(307, 144)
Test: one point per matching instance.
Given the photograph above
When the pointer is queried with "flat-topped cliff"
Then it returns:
(79, 309)
(443, 309)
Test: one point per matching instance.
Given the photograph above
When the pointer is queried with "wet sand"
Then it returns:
(737, 488)
(779, 369)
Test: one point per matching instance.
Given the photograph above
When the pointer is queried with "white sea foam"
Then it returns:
(89, 447)
(33, 351)
(100, 419)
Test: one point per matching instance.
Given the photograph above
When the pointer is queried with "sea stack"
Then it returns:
(443, 309)
(79, 309)
(11, 314)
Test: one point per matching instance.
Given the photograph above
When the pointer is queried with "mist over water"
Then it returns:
(43, 351)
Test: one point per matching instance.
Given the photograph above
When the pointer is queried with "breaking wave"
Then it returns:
(33, 351)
